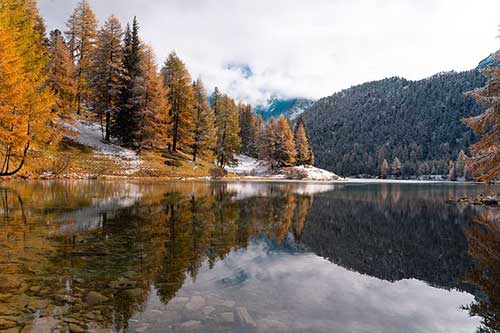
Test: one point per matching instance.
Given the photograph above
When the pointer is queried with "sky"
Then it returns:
(255, 49)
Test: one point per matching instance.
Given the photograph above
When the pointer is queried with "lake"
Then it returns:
(246, 257)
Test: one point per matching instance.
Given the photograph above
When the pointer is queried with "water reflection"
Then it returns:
(244, 257)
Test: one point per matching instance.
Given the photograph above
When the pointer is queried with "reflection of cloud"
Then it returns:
(91, 218)
(309, 293)
(251, 189)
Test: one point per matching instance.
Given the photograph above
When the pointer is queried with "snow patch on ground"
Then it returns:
(248, 166)
(90, 134)
(314, 173)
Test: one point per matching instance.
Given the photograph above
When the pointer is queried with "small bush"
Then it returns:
(217, 173)
(296, 174)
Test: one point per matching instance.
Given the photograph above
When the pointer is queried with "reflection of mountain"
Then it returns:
(391, 234)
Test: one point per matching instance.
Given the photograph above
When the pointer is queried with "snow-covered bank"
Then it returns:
(402, 181)
(250, 167)
(90, 135)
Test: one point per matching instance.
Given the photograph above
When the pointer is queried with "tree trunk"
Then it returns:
(21, 164)
(108, 120)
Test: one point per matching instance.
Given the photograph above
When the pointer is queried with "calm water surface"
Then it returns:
(246, 257)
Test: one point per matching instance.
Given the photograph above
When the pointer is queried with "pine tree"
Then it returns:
(396, 167)
(285, 154)
(180, 96)
(155, 108)
(82, 34)
(302, 145)
(27, 116)
(485, 159)
(250, 126)
(228, 136)
(107, 76)
(204, 122)
(215, 100)
(384, 169)
(61, 70)
(128, 126)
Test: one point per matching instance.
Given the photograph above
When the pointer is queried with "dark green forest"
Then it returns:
(418, 122)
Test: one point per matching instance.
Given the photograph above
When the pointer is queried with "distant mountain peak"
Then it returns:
(289, 107)
(244, 69)
(493, 60)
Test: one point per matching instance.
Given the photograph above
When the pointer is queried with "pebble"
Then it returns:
(227, 317)
(189, 326)
(229, 304)
(76, 328)
(208, 310)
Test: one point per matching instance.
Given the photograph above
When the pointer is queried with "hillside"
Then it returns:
(83, 154)
(354, 130)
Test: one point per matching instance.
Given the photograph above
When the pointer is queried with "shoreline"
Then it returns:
(243, 179)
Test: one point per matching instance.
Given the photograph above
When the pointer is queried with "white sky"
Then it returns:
(306, 48)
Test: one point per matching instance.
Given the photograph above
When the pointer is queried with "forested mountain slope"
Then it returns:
(418, 122)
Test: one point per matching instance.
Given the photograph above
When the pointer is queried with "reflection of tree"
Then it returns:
(164, 234)
(484, 245)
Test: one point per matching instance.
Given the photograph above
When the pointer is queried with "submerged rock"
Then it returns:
(95, 298)
(244, 317)
(42, 325)
(7, 322)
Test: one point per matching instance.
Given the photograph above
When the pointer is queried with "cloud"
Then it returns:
(298, 48)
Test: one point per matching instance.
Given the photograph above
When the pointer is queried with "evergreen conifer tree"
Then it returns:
(107, 76)
(129, 118)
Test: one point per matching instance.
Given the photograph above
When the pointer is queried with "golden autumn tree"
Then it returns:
(285, 153)
(302, 145)
(155, 103)
(204, 122)
(61, 70)
(485, 160)
(180, 96)
(82, 35)
(26, 100)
